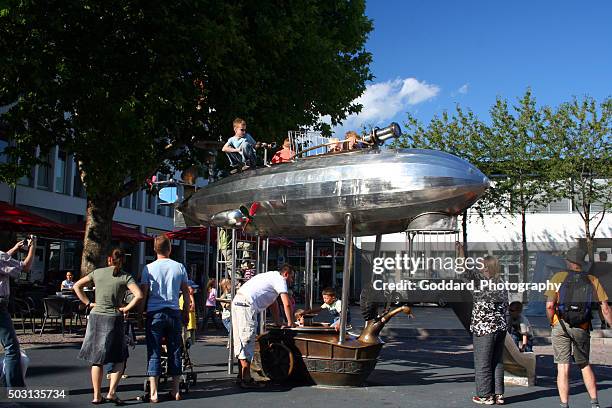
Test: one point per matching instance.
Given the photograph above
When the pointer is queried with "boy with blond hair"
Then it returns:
(240, 148)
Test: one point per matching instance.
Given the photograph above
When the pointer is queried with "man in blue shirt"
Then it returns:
(163, 280)
(240, 148)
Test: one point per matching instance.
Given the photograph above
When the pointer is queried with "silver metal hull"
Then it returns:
(382, 189)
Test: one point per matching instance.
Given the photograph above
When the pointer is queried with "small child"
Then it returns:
(189, 330)
(226, 305)
(240, 148)
(519, 328)
(299, 317)
(334, 306)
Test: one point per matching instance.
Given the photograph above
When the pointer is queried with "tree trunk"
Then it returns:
(589, 238)
(98, 227)
(524, 252)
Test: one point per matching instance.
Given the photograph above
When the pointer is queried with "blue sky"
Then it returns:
(430, 55)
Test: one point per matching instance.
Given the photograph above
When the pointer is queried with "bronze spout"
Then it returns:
(373, 327)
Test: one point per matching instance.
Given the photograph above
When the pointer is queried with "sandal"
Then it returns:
(117, 401)
(98, 402)
(173, 397)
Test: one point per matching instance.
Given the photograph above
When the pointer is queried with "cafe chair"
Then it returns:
(24, 313)
(55, 309)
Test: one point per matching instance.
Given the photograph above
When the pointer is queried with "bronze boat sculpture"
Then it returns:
(312, 353)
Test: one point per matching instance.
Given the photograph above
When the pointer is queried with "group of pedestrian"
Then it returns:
(162, 283)
(164, 280)
(569, 312)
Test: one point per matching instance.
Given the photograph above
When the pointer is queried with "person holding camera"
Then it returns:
(10, 268)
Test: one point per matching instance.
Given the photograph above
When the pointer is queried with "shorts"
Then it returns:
(564, 349)
(244, 329)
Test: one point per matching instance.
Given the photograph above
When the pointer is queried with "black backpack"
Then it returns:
(575, 298)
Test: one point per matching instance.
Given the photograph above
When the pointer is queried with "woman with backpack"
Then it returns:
(489, 327)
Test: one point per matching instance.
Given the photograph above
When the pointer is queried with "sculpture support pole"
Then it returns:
(334, 280)
(230, 358)
(207, 258)
(346, 274)
(312, 283)
(307, 276)
(262, 314)
(376, 253)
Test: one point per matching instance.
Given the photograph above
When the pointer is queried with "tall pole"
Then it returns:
(307, 276)
(207, 257)
(230, 358)
(346, 274)
(334, 264)
(312, 283)
(262, 314)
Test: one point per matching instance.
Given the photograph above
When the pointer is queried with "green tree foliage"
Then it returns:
(127, 86)
(579, 139)
(460, 134)
(519, 156)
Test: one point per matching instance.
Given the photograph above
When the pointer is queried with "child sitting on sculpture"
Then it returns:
(285, 154)
(240, 148)
(519, 328)
(333, 305)
(299, 317)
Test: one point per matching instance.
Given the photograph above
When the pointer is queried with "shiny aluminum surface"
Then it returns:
(383, 189)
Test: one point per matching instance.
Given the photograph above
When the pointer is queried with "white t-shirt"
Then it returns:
(263, 289)
(334, 308)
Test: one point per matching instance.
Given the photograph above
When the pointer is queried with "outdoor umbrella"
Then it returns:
(198, 234)
(119, 232)
(18, 220)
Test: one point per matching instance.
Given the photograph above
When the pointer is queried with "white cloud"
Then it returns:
(463, 89)
(382, 101)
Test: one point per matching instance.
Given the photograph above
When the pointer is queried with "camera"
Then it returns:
(26, 243)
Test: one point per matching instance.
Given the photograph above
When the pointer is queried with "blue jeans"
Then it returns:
(165, 323)
(12, 355)
(210, 314)
(518, 340)
(246, 156)
(228, 324)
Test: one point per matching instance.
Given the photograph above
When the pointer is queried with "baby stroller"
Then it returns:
(187, 379)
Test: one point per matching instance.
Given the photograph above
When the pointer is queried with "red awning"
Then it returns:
(119, 232)
(198, 234)
(281, 241)
(18, 220)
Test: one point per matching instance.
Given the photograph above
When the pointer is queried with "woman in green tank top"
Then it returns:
(105, 338)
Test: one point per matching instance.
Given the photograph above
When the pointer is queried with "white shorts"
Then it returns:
(244, 329)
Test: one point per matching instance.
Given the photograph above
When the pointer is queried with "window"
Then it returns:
(150, 200)
(78, 190)
(3, 145)
(62, 172)
(137, 201)
(44, 174)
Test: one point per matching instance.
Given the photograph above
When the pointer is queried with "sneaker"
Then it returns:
(499, 399)
(246, 167)
(234, 170)
(483, 400)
